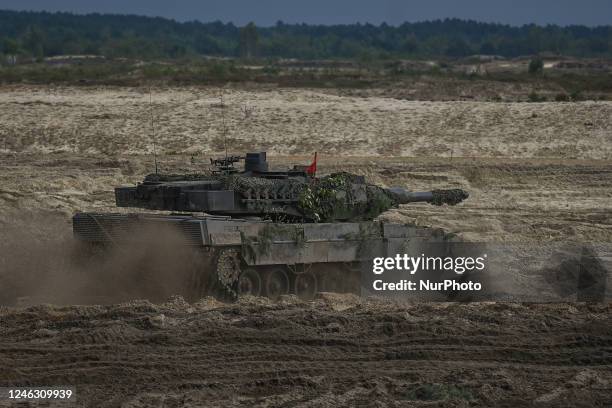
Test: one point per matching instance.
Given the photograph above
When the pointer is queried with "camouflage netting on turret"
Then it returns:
(262, 188)
(339, 196)
(379, 201)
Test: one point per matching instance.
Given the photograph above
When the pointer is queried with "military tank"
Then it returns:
(263, 232)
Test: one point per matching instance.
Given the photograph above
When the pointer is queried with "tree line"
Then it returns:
(44, 34)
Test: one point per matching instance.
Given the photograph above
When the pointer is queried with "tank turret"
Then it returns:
(291, 195)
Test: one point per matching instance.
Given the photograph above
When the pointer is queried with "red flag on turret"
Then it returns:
(312, 169)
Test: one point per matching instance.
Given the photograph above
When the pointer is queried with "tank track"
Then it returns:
(228, 278)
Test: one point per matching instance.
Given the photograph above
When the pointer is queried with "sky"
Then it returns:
(268, 12)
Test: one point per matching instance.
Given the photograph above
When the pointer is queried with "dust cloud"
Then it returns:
(41, 262)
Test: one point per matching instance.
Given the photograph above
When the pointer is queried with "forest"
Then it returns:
(44, 34)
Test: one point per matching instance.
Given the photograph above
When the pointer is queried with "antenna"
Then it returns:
(153, 130)
(224, 127)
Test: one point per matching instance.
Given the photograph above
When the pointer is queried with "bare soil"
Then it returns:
(337, 351)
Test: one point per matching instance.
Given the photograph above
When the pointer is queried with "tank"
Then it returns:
(263, 232)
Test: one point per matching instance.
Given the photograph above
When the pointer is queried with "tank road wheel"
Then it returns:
(227, 272)
(249, 283)
(277, 283)
(306, 285)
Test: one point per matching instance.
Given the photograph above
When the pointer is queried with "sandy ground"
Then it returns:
(537, 174)
(295, 121)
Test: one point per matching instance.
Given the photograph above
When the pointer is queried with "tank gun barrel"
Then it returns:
(435, 197)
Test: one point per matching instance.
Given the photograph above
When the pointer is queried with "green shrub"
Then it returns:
(534, 97)
(576, 96)
(536, 66)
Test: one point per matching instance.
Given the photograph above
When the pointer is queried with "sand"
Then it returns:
(295, 121)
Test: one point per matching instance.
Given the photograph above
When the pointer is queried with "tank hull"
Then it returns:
(244, 256)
